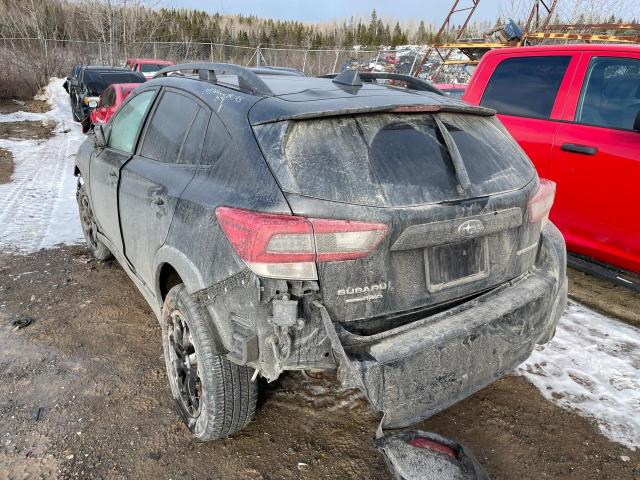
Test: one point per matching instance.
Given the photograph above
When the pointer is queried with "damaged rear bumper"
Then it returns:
(417, 370)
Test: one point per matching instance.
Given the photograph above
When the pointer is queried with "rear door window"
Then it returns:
(168, 128)
(391, 159)
(611, 93)
(526, 86)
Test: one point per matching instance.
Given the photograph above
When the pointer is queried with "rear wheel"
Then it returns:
(89, 228)
(86, 124)
(214, 397)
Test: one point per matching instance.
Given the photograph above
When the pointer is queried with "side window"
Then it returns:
(611, 93)
(216, 142)
(192, 147)
(126, 123)
(168, 128)
(526, 86)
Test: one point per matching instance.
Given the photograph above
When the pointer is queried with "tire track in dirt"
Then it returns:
(28, 211)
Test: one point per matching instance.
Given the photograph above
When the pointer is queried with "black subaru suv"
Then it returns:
(277, 222)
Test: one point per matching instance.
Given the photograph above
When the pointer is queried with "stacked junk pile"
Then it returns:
(452, 62)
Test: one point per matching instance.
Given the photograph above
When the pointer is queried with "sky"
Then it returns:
(432, 11)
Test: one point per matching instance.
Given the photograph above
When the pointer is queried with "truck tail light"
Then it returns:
(284, 246)
(542, 201)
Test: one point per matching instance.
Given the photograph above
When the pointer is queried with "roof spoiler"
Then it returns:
(348, 77)
(445, 107)
(248, 80)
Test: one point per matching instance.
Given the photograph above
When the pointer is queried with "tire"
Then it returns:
(217, 398)
(89, 227)
(87, 126)
(76, 117)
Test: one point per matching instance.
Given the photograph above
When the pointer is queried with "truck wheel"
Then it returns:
(214, 397)
(89, 228)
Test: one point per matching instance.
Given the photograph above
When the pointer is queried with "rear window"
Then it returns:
(391, 159)
(96, 82)
(525, 86)
(151, 67)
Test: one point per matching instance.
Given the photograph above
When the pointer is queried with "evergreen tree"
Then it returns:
(421, 35)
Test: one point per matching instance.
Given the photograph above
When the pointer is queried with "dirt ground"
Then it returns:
(27, 130)
(84, 395)
(6, 165)
(31, 105)
(605, 296)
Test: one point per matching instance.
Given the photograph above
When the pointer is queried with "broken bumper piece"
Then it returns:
(415, 371)
(417, 455)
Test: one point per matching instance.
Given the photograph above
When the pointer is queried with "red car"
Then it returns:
(454, 90)
(110, 100)
(147, 66)
(575, 110)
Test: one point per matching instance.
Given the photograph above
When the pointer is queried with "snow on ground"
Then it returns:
(592, 366)
(38, 205)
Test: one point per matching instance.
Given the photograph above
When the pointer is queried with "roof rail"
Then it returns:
(248, 80)
(294, 72)
(413, 83)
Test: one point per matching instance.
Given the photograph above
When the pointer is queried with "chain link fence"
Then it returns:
(29, 63)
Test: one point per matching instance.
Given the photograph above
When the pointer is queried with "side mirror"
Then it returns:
(636, 123)
(93, 104)
(100, 139)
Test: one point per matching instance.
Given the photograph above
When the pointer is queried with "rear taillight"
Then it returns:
(284, 246)
(542, 201)
(428, 444)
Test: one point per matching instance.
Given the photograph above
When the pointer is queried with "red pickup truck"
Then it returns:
(575, 110)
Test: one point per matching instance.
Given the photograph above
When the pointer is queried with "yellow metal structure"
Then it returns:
(461, 62)
(585, 37)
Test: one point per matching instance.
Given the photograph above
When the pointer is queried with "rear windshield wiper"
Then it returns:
(464, 183)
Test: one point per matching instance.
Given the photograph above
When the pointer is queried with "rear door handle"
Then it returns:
(157, 200)
(113, 173)
(581, 149)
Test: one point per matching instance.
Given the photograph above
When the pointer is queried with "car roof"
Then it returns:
(149, 60)
(298, 97)
(105, 68)
(125, 86)
(574, 47)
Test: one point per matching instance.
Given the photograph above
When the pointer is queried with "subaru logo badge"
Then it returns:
(471, 228)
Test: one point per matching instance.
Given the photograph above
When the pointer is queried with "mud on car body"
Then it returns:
(277, 222)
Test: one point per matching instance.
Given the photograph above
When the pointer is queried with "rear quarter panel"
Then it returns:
(240, 179)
